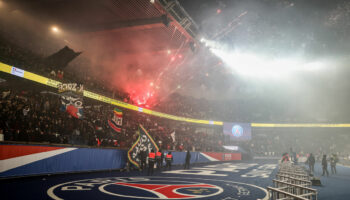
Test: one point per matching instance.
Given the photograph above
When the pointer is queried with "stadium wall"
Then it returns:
(26, 160)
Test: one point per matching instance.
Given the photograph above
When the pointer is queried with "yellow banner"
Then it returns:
(5, 68)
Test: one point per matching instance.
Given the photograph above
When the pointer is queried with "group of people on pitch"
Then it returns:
(333, 162)
(311, 162)
(158, 159)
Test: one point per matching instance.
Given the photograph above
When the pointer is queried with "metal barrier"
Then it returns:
(292, 182)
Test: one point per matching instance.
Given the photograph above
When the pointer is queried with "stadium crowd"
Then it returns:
(32, 114)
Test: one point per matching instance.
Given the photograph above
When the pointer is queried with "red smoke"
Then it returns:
(142, 95)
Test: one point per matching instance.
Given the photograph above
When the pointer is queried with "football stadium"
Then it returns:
(175, 99)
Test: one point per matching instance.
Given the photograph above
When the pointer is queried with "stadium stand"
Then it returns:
(42, 121)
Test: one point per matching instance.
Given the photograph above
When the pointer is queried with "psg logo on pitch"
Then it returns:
(159, 189)
(237, 131)
(129, 188)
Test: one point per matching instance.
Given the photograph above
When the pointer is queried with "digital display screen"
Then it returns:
(238, 131)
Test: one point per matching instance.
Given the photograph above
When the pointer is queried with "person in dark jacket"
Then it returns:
(159, 159)
(187, 160)
(162, 159)
(151, 161)
(324, 165)
(311, 162)
(143, 158)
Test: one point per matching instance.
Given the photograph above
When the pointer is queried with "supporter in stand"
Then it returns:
(53, 73)
(60, 75)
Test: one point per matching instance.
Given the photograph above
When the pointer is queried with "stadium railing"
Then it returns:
(292, 182)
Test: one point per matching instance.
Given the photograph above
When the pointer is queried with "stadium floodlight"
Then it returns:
(256, 65)
(55, 29)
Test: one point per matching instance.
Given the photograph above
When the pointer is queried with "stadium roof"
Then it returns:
(123, 22)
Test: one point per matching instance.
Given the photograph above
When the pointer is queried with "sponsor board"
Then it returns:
(17, 72)
(214, 156)
(128, 188)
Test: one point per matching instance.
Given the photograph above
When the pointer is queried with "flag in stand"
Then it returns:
(143, 143)
(173, 135)
(117, 120)
(72, 104)
(60, 59)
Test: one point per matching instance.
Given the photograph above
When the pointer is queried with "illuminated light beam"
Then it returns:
(230, 26)
(177, 64)
(169, 63)
(255, 65)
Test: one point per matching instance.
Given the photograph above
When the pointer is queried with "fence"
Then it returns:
(292, 182)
